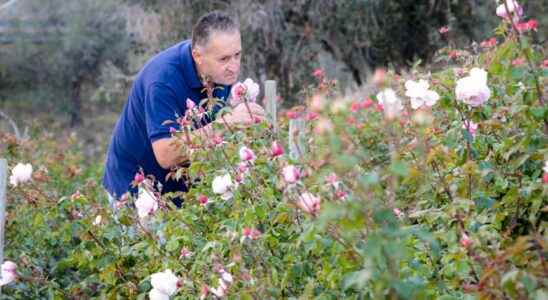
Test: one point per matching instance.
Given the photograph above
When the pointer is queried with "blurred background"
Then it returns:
(66, 66)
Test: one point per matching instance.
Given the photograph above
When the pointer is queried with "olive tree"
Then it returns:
(63, 45)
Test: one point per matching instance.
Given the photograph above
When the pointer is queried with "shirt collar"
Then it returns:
(189, 67)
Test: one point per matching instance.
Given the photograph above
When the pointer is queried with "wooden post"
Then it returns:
(271, 103)
(296, 138)
(3, 183)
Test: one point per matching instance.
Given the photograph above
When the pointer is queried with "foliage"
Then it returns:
(420, 207)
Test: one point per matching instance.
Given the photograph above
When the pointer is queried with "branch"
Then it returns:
(7, 4)
(12, 123)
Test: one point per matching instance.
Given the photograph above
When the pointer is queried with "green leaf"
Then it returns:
(483, 202)
(173, 244)
(356, 279)
(400, 168)
(370, 178)
(538, 113)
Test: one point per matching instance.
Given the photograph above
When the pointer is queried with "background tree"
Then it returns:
(60, 46)
(285, 40)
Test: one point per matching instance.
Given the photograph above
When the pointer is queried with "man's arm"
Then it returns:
(168, 153)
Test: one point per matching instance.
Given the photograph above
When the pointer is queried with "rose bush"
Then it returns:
(432, 187)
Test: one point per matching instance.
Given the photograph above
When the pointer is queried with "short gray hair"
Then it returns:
(212, 22)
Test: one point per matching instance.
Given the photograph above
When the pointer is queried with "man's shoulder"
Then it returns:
(165, 66)
(172, 53)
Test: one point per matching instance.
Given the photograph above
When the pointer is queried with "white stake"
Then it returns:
(270, 102)
(3, 183)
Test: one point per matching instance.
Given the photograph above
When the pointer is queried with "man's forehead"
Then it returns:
(223, 43)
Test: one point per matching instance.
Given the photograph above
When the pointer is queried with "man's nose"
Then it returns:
(234, 65)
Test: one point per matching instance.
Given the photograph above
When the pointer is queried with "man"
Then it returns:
(141, 138)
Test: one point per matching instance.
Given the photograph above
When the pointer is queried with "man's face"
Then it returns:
(220, 57)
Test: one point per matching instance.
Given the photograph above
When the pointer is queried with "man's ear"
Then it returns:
(197, 56)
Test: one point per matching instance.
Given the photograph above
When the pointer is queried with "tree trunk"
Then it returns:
(76, 104)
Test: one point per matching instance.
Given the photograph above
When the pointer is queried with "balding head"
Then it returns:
(210, 23)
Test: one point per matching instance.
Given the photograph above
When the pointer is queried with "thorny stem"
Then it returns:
(445, 187)
(529, 61)
(469, 251)
(248, 110)
(120, 273)
(151, 237)
(468, 147)
(226, 124)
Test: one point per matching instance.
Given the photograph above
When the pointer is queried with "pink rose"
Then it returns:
(247, 154)
(238, 92)
(251, 233)
(309, 203)
(292, 115)
(398, 213)
(366, 103)
(318, 74)
(138, 178)
(518, 61)
(471, 127)
(514, 9)
(185, 253)
(203, 200)
(276, 149)
(190, 104)
(527, 26)
(291, 174)
(465, 241)
(444, 30)
(492, 42)
(332, 179)
(317, 103)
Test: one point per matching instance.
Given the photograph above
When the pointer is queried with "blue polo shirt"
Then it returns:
(158, 94)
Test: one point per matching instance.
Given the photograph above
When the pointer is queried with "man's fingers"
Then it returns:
(245, 113)
(253, 107)
(256, 108)
(245, 119)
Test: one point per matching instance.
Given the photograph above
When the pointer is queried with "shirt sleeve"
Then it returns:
(161, 111)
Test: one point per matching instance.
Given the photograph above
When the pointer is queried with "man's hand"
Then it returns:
(240, 115)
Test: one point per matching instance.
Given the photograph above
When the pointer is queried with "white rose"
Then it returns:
(221, 185)
(479, 74)
(98, 220)
(21, 173)
(164, 282)
(220, 291)
(513, 8)
(8, 272)
(155, 294)
(146, 203)
(473, 90)
(420, 94)
(227, 277)
(391, 103)
(252, 89)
